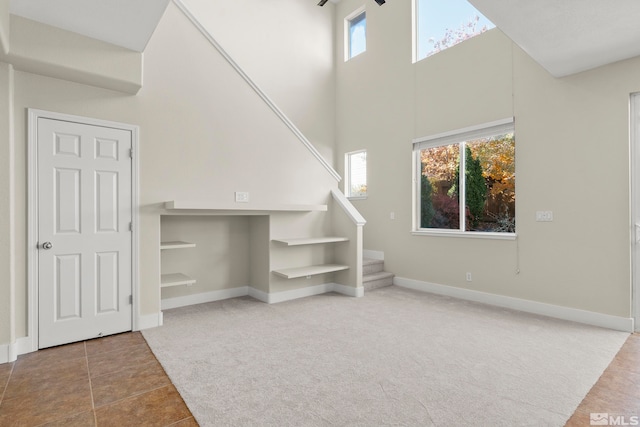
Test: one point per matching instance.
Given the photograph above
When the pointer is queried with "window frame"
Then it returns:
(347, 31)
(458, 136)
(347, 175)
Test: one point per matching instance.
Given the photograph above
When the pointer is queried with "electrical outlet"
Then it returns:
(468, 277)
(544, 216)
(242, 197)
(392, 215)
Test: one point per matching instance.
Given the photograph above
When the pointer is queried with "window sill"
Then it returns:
(357, 198)
(466, 234)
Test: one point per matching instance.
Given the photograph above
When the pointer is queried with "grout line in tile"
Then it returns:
(179, 421)
(4, 389)
(139, 393)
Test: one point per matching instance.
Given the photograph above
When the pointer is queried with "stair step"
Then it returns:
(377, 280)
(370, 265)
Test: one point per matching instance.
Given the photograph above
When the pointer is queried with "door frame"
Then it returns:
(634, 163)
(32, 213)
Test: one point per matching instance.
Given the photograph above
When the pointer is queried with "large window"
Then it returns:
(355, 165)
(441, 24)
(480, 200)
(355, 34)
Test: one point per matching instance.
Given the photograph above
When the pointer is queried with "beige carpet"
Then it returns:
(394, 357)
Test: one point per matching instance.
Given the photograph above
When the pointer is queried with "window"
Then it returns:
(480, 200)
(355, 34)
(355, 165)
(440, 24)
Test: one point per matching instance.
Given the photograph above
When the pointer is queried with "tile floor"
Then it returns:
(111, 381)
(617, 392)
(117, 381)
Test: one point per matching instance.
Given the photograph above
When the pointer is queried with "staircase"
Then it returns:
(373, 276)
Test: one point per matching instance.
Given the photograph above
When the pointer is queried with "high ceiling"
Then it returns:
(126, 23)
(569, 36)
(564, 36)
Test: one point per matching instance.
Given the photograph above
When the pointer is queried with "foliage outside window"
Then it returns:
(356, 174)
(441, 24)
(356, 34)
(482, 199)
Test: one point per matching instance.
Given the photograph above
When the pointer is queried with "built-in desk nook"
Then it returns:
(273, 252)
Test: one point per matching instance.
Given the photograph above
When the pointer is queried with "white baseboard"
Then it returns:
(176, 302)
(276, 297)
(348, 290)
(269, 298)
(10, 352)
(379, 255)
(258, 294)
(559, 312)
(148, 321)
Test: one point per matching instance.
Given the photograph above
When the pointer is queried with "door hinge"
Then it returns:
(131, 226)
(131, 153)
(130, 299)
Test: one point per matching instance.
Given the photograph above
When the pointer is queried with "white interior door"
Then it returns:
(84, 235)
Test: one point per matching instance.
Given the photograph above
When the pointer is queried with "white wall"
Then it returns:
(571, 157)
(203, 134)
(6, 72)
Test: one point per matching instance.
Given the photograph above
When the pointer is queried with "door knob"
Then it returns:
(47, 245)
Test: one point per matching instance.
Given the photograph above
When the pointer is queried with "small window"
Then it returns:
(480, 200)
(441, 24)
(356, 174)
(355, 34)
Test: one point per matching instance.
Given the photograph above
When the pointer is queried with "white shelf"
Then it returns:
(244, 207)
(312, 270)
(175, 279)
(176, 245)
(310, 240)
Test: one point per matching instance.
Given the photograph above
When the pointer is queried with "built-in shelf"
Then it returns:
(176, 245)
(244, 207)
(310, 240)
(312, 270)
(175, 279)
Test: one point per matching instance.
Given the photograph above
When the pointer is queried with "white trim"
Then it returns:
(12, 205)
(10, 352)
(276, 297)
(258, 294)
(556, 311)
(32, 213)
(149, 321)
(634, 226)
(292, 127)
(348, 208)
(347, 174)
(464, 134)
(379, 255)
(347, 34)
(347, 290)
(465, 234)
(266, 297)
(169, 303)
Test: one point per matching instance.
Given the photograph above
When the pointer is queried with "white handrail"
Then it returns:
(348, 208)
(185, 10)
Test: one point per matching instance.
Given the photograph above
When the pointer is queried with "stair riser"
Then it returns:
(375, 284)
(372, 268)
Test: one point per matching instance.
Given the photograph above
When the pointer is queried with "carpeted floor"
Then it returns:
(393, 357)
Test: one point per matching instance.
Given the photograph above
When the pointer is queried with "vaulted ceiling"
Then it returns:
(564, 36)
(569, 36)
(126, 23)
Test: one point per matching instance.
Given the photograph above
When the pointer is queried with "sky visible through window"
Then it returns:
(357, 35)
(444, 23)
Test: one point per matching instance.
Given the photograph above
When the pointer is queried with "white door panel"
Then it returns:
(84, 212)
